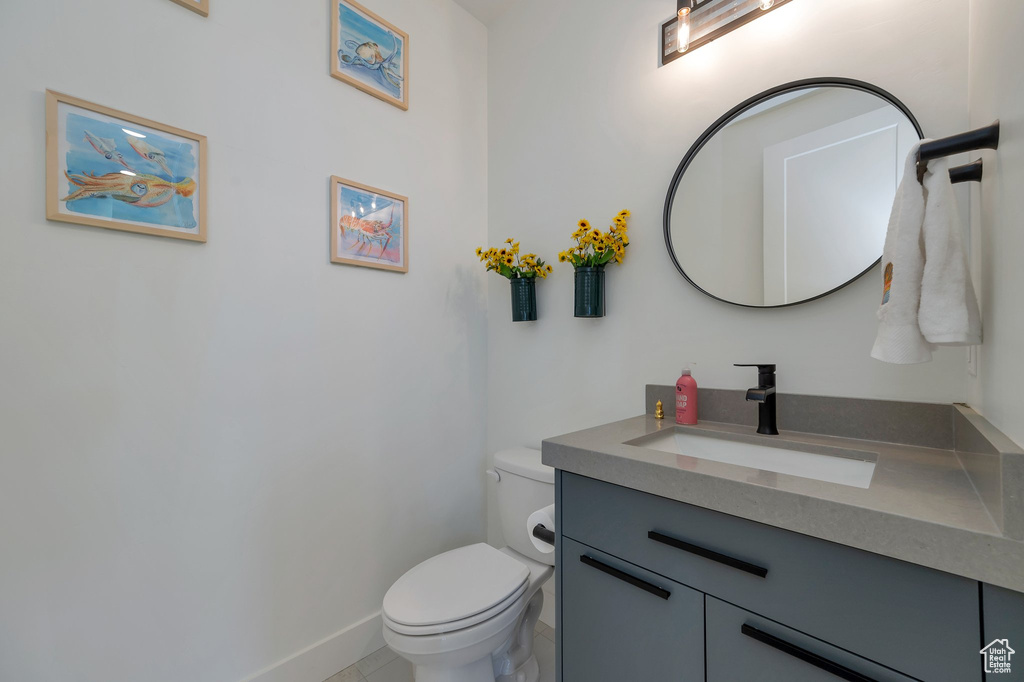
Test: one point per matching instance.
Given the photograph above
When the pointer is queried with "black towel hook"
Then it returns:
(982, 138)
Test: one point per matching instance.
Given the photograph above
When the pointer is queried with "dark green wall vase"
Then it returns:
(590, 292)
(524, 299)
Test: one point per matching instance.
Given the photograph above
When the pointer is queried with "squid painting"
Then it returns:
(107, 148)
(106, 168)
(150, 153)
(139, 190)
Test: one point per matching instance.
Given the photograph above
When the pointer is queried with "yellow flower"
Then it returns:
(599, 248)
(548, 268)
(625, 238)
(625, 213)
(584, 225)
(479, 250)
(509, 240)
(509, 260)
(562, 257)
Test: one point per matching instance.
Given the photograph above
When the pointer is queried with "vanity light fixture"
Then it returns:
(698, 22)
(683, 9)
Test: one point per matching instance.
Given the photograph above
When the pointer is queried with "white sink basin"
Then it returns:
(846, 468)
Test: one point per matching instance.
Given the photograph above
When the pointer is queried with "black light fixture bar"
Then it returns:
(701, 9)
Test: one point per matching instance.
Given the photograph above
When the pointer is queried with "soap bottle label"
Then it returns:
(682, 403)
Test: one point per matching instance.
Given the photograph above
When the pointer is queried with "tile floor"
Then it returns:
(384, 665)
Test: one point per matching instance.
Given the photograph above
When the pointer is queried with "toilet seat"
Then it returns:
(455, 590)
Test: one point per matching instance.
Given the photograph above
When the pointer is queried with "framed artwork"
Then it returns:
(197, 6)
(369, 53)
(110, 169)
(369, 227)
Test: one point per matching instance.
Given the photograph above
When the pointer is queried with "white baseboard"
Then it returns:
(330, 655)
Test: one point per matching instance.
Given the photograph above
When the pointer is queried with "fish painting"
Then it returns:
(369, 53)
(139, 190)
(107, 147)
(150, 153)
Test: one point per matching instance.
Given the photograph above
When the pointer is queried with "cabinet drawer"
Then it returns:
(744, 647)
(620, 622)
(922, 622)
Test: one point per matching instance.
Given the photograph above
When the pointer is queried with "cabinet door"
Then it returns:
(914, 619)
(620, 622)
(745, 647)
(1003, 629)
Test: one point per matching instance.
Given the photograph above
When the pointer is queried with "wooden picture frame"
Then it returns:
(369, 53)
(123, 172)
(201, 7)
(369, 226)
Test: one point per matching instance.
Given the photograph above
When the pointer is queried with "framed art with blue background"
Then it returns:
(369, 53)
(369, 226)
(106, 168)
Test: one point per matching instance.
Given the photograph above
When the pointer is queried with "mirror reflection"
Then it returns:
(790, 198)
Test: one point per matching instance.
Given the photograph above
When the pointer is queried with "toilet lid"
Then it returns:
(454, 586)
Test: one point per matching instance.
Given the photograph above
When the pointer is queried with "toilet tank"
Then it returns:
(525, 486)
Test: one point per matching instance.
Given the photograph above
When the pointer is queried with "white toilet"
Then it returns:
(468, 615)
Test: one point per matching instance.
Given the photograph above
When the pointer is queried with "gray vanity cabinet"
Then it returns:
(620, 622)
(745, 647)
(890, 618)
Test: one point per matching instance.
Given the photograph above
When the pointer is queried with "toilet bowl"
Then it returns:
(468, 615)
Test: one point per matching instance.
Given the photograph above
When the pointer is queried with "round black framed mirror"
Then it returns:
(786, 197)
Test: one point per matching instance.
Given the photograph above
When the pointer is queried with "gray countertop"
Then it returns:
(921, 505)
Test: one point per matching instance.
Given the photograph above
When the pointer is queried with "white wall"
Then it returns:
(583, 123)
(997, 227)
(213, 456)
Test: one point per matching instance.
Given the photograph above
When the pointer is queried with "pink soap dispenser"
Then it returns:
(686, 399)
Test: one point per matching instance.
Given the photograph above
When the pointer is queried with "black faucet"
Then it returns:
(764, 395)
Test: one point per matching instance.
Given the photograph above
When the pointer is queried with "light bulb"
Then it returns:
(767, 4)
(683, 30)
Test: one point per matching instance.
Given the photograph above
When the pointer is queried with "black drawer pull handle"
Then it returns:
(709, 554)
(541, 532)
(626, 577)
(805, 655)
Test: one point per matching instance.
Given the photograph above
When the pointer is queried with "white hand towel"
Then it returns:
(949, 309)
(927, 295)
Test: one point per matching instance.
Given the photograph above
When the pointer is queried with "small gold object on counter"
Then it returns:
(659, 413)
